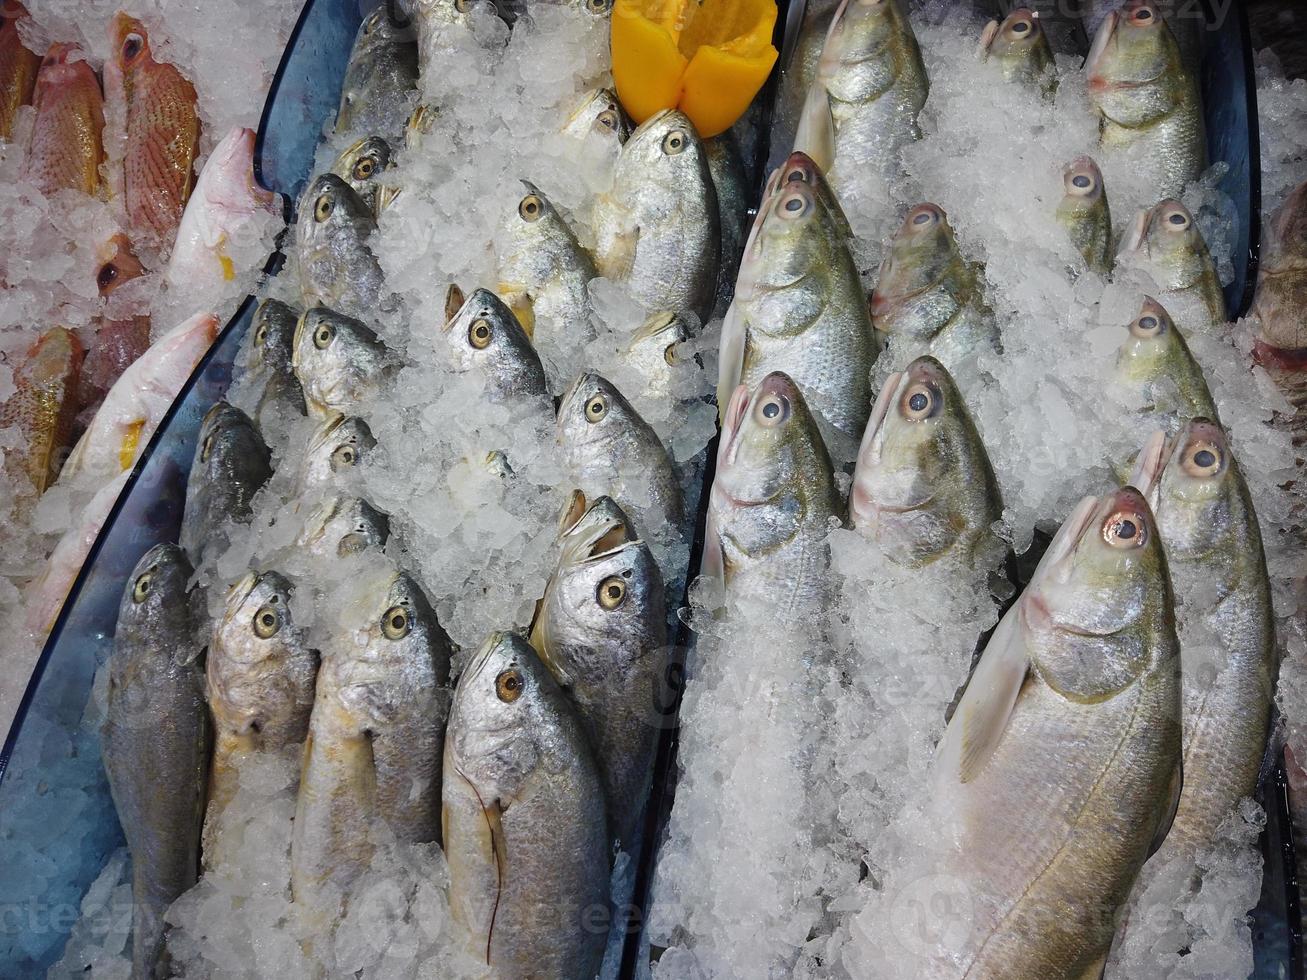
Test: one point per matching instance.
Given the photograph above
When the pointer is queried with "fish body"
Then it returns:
(1020, 49)
(923, 486)
(376, 738)
(339, 444)
(1084, 213)
(929, 294)
(337, 266)
(544, 273)
(1147, 98)
(800, 307)
(1218, 569)
(231, 465)
(1059, 769)
(139, 398)
(157, 106)
(338, 360)
(18, 67)
(219, 215)
(609, 450)
(485, 337)
(67, 135)
(726, 166)
(363, 165)
(271, 350)
(524, 825)
(260, 675)
(155, 741)
(657, 230)
(44, 406)
(1166, 244)
(602, 632)
(1155, 361)
(342, 525)
(1280, 303)
(381, 74)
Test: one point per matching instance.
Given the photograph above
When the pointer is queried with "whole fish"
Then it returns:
(1084, 213)
(18, 66)
(726, 166)
(773, 502)
(221, 215)
(654, 350)
(67, 142)
(1166, 244)
(929, 294)
(139, 398)
(122, 334)
(544, 273)
(524, 824)
(800, 307)
(601, 629)
(657, 230)
(260, 676)
(47, 592)
(862, 107)
(598, 111)
(338, 445)
(1280, 301)
(484, 337)
(342, 525)
(339, 361)
(155, 740)
(381, 74)
(923, 486)
(162, 131)
(337, 267)
(1155, 361)
(362, 165)
(608, 449)
(1218, 570)
(1021, 50)
(1059, 770)
(231, 465)
(271, 351)
(376, 738)
(1148, 100)
(43, 408)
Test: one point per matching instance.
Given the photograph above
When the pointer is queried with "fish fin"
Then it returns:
(619, 261)
(499, 846)
(1148, 465)
(1164, 828)
(730, 361)
(713, 562)
(517, 299)
(816, 133)
(984, 709)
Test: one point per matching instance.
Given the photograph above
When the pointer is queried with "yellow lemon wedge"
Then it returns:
(708, 59)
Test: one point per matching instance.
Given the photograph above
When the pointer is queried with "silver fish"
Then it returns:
(342, 525)
(601, 629)
(733, 199)
(657, 230)
(335, 448)
(1084, 213)
(336, 264)
(381, 74)
(1166, 244)
(524, 826)
(339, 361)
(484, 337)
(363, 165)
(156, 740)
(270, 353)
(1020, 49)
(231, 464)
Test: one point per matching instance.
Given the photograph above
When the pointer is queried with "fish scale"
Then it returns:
(44, 406)
(18, 66)
(65, 150)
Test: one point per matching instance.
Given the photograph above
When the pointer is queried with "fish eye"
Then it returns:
(597, 6)
(1202, 459)
(261, 335)
(596, 408)
(322, 208)
(364, 168)
(918, 402)
(1125, 529)
(796, 176)
(323, 335)
(372, 23)
(479, 333)
(669, 354)
(612, 592)
(107, 276)
(1021, 27)
(925, 216)
(508, 685)
(461, 6)
(206, 449)
(674, 142)
(395, 624)
(133, 45)
(141, 588)
(607, 119)
(794, 205)
(267, 622)
(773, 410)
(1143, 15)
(1083, 181)
(531, 208)
(343, 455)
(1178, 220)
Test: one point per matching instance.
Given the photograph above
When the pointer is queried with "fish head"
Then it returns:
(1284, 244)
(860, 31)
(658, 341)
(274, 330)
(156, 594)
(1100, 599)
(485, 337)
(794, 237)
(330, 210)
(594, 417)
(118, 264)
(1018, 43)
(1166, 241)
(130, 43)
(665, 151)
(330, 352)
(336, 446)
(227, 180)
(1149, 345)
(1196, 485)
(230, 446)
(257, 624)
(921, 251)
(362, 164)
(343, 525)
(605, 593)
(1135, 71)
(599, 112)
(403, 626)
(1082, 183)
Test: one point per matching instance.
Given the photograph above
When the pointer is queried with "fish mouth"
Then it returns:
(297, 336)
(1105, 36)
(325, 432)
(873, 435)
(1153, 459)
(241, 591)
(1136, 240)
(594, 539)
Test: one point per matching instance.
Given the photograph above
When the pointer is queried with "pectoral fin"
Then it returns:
(816, 133)
(982, 714)
(618, 261)
(730, 362)
(499, 847)
(1164, 828)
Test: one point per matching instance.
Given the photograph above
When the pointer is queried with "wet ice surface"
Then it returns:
(766, 870)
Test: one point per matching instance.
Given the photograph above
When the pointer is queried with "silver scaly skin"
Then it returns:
(376, 739)
(484, 337)
(362, 165)
(339, 361)
(1059, 770)
(231, 464)
(524, 826)
(923, 486)
(1227, 641)
(1084, 213)
(1166, 244)
(657, 230)
(1147, 99)
(1280, 304)
(156, 740)
(336, 264)
(1020, 49)
(382, 71)
(601, 629)
(270, 354)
